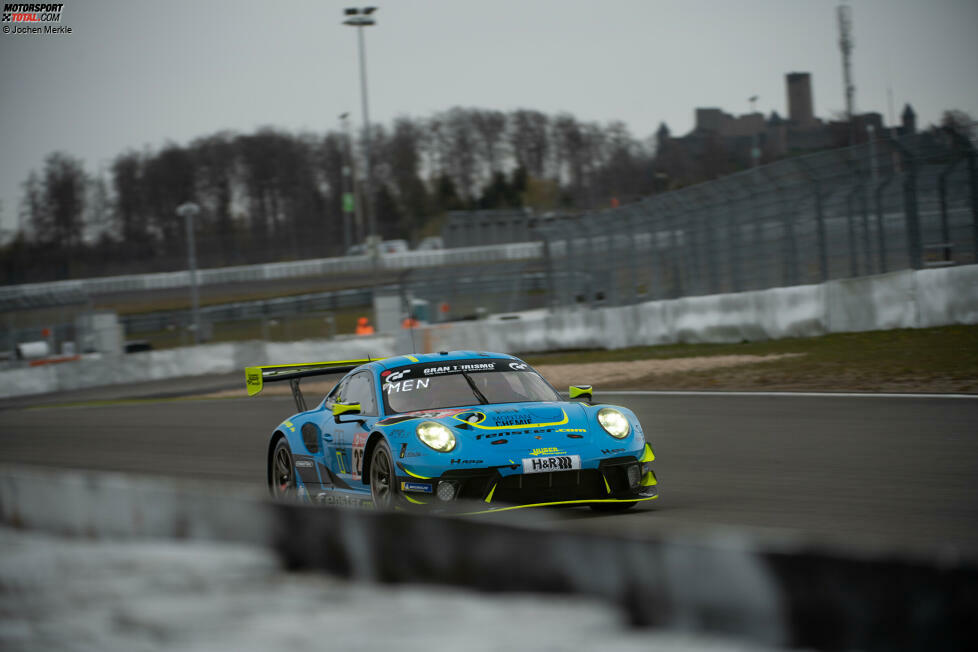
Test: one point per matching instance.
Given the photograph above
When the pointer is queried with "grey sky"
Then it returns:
(138, 74)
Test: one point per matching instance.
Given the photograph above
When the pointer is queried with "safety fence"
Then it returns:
(886, 205)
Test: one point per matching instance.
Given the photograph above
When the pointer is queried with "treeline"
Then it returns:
(274, 195)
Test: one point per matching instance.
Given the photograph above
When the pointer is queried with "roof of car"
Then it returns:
(443, 356)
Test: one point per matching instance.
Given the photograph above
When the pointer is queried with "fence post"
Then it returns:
(544, 235)
(914, 245)
(789, 250)
(880, 226)
(823, 257)
(971, 156)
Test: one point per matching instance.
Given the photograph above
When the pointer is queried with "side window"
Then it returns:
(360, 389)
(335, 394)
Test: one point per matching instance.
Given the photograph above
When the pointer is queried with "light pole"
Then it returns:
(188, 211)
(360, 18)
(349, 181)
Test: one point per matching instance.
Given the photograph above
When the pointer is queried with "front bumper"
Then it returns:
(621, 479)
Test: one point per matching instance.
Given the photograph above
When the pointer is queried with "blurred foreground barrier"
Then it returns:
(772, 593)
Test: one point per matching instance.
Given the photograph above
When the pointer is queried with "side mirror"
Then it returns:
(345, 408)
(581, 391)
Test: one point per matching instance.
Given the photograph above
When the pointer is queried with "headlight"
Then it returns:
(614, 423)
(436, 436)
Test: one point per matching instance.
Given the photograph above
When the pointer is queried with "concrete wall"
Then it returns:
(95, 371)
(905, 299)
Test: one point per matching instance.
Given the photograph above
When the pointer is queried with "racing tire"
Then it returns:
(281, 481)
(611, 508)
(383, 477)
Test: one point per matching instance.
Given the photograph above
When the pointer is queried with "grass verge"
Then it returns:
(910, 360)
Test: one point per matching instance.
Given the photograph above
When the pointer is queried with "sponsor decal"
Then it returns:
(303, 464)
(408, 385)
(612, 451)
(394, 376)
(571, 429)
(343, 500)
(459, 368)
(420, 487)
(513, 421)
(359, 441)
(518, 366)
(457, 461)
(289, 425)
(547, 451)
(546, 464)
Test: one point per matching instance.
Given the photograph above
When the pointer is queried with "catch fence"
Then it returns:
(882, 206)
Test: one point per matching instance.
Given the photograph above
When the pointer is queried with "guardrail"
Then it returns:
(302, 268)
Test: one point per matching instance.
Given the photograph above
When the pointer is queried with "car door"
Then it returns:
(353, 431)
(336, 457)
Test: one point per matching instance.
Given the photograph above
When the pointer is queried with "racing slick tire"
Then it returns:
(612, 507)
(281, 477)
(383, 477)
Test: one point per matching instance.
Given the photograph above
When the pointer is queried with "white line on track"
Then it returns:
(664, 392)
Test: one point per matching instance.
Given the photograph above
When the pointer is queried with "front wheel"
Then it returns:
(281, 477)
(383, 480)
(612, 507)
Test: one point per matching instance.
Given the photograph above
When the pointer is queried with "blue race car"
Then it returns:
(451, 430)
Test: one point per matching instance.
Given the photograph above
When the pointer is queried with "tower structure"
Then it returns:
(845, 45)
(800, 108)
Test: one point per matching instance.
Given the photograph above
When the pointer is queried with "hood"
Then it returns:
(538, 428)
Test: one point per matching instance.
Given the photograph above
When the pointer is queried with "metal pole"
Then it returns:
(368, 176)
(188, 211)
(915, 255)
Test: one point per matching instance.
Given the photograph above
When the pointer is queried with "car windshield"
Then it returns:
(465, 388)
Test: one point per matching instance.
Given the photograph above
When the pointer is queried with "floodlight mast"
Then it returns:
(360, 18)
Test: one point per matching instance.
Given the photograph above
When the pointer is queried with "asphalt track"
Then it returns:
(896, 472)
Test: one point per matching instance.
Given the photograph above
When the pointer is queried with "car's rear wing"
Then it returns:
(256, 377)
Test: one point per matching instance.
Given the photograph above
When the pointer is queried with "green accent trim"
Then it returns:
(412, 500)
(491, 492)
(606, 485)
(576, 391)
(414, 475)
(648, 456)
(411, 358)
(649, 480)
(562, 502)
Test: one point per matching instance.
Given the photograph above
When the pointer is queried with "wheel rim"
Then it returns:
(381, 479)
(283, 472)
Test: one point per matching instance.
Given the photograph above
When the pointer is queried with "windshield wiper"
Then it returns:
(482, 398)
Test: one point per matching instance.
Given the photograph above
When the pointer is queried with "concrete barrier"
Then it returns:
(905, 299)
(182, 362)
(772, 593)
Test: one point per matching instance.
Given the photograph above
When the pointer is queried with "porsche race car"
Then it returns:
(451, 430)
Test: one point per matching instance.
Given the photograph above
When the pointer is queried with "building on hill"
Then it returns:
(721, 143)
